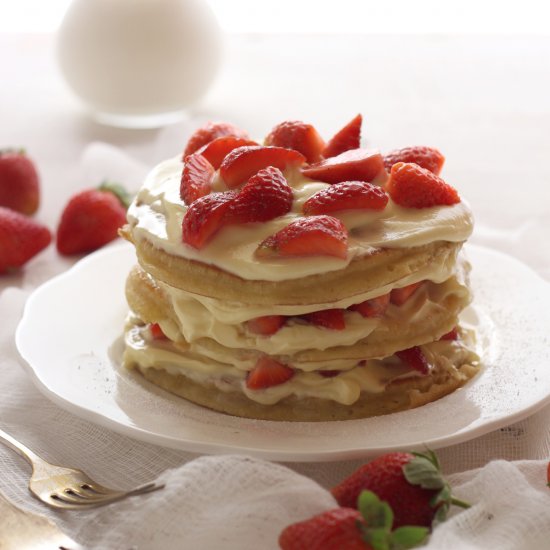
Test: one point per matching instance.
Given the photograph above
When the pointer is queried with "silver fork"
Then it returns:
(68, 488)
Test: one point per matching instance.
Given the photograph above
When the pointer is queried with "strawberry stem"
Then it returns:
(460, 503)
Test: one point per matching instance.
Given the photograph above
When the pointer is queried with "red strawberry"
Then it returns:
(349, 137)
(375, 307)
(426, 157)
(20, 239)
(348, 195)
(196, 178)
(368, 528)
(312, 236)
(91, 219)
(19, 183)
(399, 296)
(451, 335)
(215, 151)
(209, 132)
(204, 218)
(357, 164)
(267, 372)
(297, 135)
(156, 332)
(265, 196)
(243, 162)
(411, 483)
(266, 325)
(414, 359)
(328, 318)
(414, 187)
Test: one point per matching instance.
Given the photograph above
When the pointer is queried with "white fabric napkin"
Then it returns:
(240, 502)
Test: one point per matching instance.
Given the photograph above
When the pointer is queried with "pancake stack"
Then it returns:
(299, 280)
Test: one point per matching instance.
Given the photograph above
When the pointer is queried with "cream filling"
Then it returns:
(157, 213)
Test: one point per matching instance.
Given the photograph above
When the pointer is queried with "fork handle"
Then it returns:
(19, 448)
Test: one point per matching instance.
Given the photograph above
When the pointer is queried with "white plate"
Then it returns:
(70, 339)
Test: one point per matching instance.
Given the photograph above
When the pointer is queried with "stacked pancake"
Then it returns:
(298, 280)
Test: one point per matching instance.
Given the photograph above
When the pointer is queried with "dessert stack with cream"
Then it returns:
(299, 279)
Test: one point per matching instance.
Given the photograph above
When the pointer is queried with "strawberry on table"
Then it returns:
(348, 195)
(426, 157)
(311, 236)
(297, 135)
(412, 186)
(398, 296)
(332, 319)
(19, 182)
(92, 219)
(266, 325)
(243, 162)
(209, 132)
(196, 178)
(21, 238)
(411, 483)
(375, 307)
(349, 137)
(353, 165)
(215, 151)
(268, 372)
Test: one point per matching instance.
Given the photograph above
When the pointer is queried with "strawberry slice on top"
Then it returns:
(196, 178)
(353, 165)
(215, 151)
(348, 195)
(209, 132)
(297, 135)
(426, 157)
(412, 186)
(268, 372)
(349, 137)
(311, 236)
(243, 162)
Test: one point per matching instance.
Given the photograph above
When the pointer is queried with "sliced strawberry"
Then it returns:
(243, 162)
(156, 332)
(354, 165)
(196, 178)
(451, 335)
(328, 318)
(375, 307)
(414, 187)
(218, 149)
(415, 359)
(204, 218)
(399, 296)
(312, 236)
(267, 372)
(297, 135)
(348, 195)
(349, 137)
(266, 325)
(265, 196)
(209, 132)
(426, 157)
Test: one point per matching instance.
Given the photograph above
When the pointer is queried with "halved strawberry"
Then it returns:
(265, 196)
(196, 178)
(204, 218)
(297, 135)
(426, 157)
(357, 164)
(414, 187)
(312, 236)
(218, 149)
(156, 332)
(210, 131)
(375, 307)
(266, 325)
(348, 195)
(243, 162)
(399, 296)
(328, 318)
(415, 359)
(349, 137)
(451, 335)
(267, 372)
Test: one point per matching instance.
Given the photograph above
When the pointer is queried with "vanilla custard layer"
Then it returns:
(157, 212)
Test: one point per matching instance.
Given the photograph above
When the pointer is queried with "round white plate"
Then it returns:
(70, 339)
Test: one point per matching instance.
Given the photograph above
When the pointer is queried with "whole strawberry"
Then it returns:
(411, 483)
(91, 219)
(368, 528)
(19, 182)
(20, 239)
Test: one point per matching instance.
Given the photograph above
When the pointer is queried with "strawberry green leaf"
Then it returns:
(377, 514)
(423, 472)
(377, 538)
(408, 537)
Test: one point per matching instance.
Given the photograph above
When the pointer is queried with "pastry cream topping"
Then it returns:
(157, 212)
